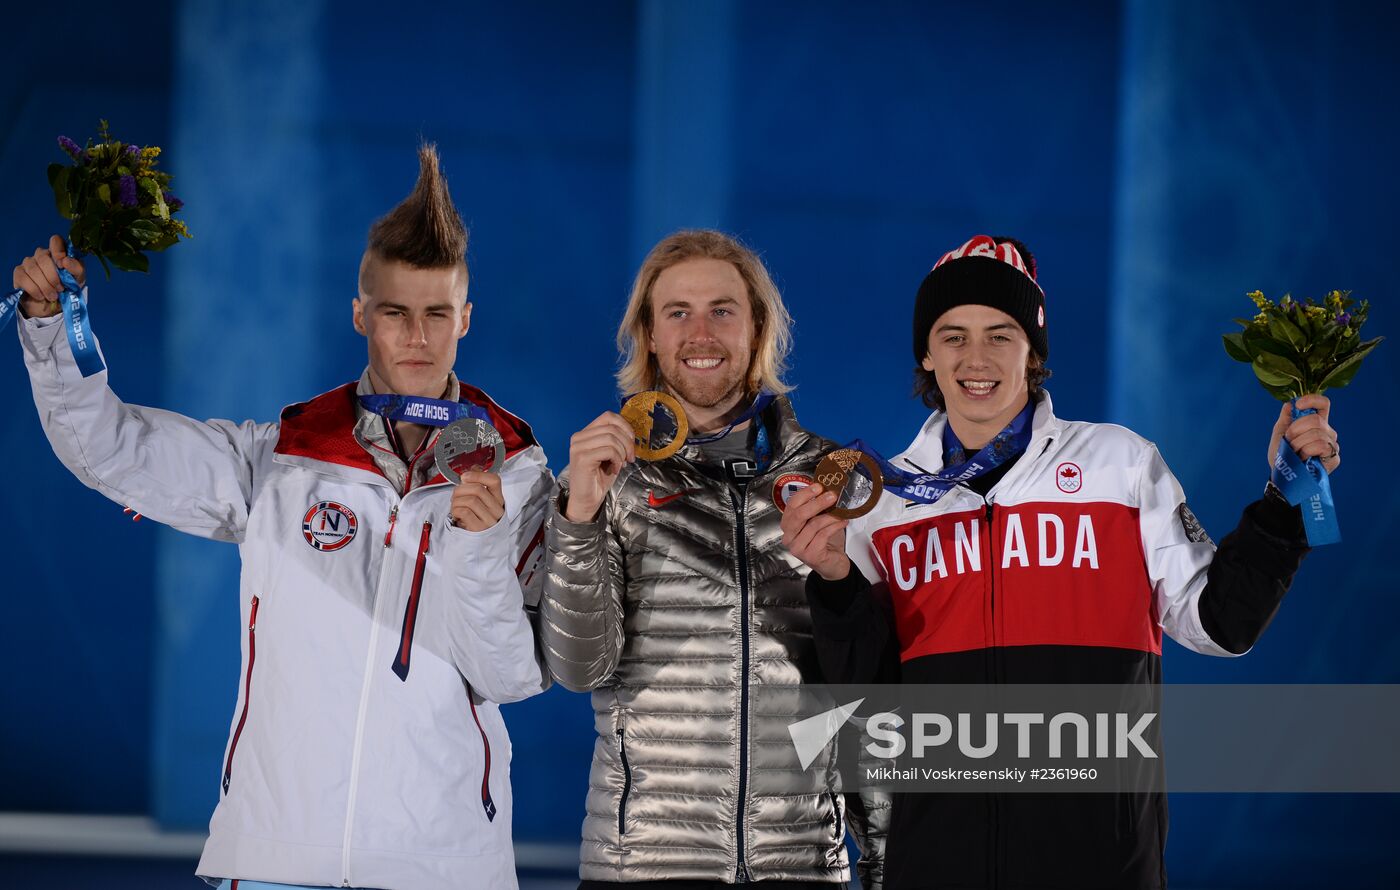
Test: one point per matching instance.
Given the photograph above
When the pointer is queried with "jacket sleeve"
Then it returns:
(853, 628)
(492, 633)
(581, 610)
(1216, 601)
(191, 475)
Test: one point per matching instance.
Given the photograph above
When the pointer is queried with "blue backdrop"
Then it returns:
(1161, 159)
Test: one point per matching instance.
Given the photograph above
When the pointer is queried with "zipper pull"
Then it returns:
(741, 875)
(393, 518)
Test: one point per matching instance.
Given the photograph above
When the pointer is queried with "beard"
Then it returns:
(706, 393)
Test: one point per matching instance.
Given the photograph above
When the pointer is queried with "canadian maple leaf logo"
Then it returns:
(1068, 477)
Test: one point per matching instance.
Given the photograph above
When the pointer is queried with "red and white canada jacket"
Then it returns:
(1083, 543)
(1069, 571)
(366, 748)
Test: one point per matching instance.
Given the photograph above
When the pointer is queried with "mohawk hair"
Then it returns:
(424, 230)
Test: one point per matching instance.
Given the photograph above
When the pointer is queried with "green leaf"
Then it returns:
(1287, 331)
(1269, 377)
(104, 191)
(1341, 375)
(130, 262)
(1234, 346)
(1277, 347)
(1282, 393)
(1279, 365)
(145, 231)
(58, 178)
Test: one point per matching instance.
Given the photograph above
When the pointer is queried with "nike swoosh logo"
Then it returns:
(658, 503)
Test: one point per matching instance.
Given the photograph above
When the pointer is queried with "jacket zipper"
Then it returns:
(626, 783)
(247, 692)
(994, 862)
(358, 746)
(410, 612)
(741, 541)
(487, 803)
(393, 520)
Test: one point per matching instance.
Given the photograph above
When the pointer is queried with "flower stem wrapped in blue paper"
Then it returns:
(1297, 349)
(120, 207)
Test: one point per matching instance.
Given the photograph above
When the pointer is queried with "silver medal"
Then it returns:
(468, 444)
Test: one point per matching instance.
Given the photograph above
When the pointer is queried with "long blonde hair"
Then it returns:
(772, 324)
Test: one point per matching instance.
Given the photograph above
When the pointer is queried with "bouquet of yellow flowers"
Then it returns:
(1296, 348)
(118, 201)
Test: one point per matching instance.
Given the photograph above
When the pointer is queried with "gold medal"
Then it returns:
(658, 423)
(856, 493)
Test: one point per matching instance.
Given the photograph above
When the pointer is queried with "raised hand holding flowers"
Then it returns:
(1298, 350)
(120, 208)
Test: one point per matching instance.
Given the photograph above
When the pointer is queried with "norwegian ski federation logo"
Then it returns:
(1069, 477)
(329, 526)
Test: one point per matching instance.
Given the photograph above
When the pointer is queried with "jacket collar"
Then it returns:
(925, 453)
(781, 421)
(322, 429)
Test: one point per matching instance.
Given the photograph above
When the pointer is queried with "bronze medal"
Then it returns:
(787, 485)
(658, 422)
(857, 493)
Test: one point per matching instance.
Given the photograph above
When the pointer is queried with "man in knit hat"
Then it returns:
(1093, 555)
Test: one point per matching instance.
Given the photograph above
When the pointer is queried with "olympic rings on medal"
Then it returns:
(837, 470)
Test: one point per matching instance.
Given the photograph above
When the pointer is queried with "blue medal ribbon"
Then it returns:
(763, 448)
(927, 488)
(9, 308)
(417, 409)
(73, 300)
(1305, 484)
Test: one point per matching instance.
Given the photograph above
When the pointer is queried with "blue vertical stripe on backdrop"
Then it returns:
(684, 131)
(1250, 157)
(242, 330)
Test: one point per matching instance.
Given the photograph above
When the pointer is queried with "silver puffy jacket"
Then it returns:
(674, 608)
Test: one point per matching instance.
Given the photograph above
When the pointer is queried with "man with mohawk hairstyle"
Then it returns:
(386, 610)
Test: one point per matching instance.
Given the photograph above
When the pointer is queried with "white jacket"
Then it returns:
(1083, 543)
(366, 748)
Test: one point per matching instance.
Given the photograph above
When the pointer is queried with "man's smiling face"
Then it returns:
(979, 356)
(702, 332)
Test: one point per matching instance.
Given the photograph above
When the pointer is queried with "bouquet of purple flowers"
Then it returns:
(119, 202)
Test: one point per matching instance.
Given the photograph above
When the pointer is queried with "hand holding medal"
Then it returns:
(658, 422)
(469, 452)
